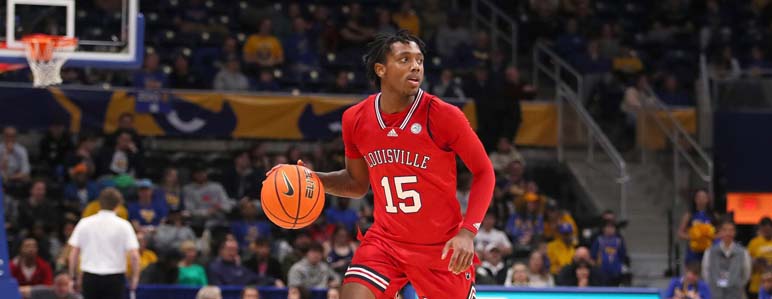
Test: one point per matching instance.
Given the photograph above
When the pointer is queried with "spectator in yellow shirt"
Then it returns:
(760, 250)
(407, 19)
(263, 49)
(561, 250)
(146, 256)
(93, 207)
(555, 216)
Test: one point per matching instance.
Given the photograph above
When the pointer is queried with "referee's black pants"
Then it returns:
(111, 286)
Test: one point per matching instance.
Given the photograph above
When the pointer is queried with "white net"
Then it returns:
(46, 55)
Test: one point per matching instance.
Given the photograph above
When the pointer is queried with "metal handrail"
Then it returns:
(678, 133)
(564, 92)
(496, 13)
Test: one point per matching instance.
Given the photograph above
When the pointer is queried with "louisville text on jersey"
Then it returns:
(396, 156)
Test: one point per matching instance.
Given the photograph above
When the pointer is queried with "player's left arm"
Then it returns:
(454, 132)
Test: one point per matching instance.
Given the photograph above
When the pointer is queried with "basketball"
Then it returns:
(292, 196)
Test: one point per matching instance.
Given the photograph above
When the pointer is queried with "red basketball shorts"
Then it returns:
(385, 267)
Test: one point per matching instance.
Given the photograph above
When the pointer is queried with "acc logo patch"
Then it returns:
(415, 128)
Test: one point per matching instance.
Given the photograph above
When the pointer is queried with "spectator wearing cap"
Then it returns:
(505, 153)
(14, 161)
(610, 253)
(689, 286)
(227, 269)
(760, 250)
(206, 201)
(526, 226)
(62, 289)
(172, 232)
(230, 76)
(726, 266)
(28, 268)
(190, 272)
(150, 208)
(560, 251)
(554, 217)
(492, 270)
(104, 241)
(488, 234)
(574, 273)
(81, 189)
(312, 271)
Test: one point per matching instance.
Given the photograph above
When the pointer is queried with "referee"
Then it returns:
(104, 239)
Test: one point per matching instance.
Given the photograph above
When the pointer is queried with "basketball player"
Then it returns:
(404, 141)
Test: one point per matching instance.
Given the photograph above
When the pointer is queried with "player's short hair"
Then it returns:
(381, 45)
(110, 198)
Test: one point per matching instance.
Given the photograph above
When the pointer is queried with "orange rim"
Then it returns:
(42, 46)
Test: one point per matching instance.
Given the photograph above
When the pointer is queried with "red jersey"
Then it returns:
(412, 167)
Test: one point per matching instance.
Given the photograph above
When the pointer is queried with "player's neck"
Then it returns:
(393, 102)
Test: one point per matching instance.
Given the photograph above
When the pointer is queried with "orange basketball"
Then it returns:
(292, 196)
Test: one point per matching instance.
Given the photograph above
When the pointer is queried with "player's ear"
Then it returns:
(380, 69)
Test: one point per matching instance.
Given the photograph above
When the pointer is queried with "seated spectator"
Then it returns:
(54, 147)
(250, 292)
(608, 43)
(689, 286)
(62, 289)
(170, 186)
(206, 201)
(182, 77)
(672, 94)
(760, 250)
(37, 209)
(555, 216)
(611, 253)
(291, 254)
(561, 250)
(326, 29)
(592, 62)
(150, 76)
(163, 271)
(333, 293)
(574, 273)
(190, 273)
(517, 276)
(478, 55)
(342, 84)
(488, 234)
(80, 190)
(312, 271)
(355, 33)
(249, 228)
(570, 41)
(83, 153)
(340, 250)
(61, 258)
(267, 267)
(627, 62)
(526, 226)
(123, 158)
(727, 66)
(230, 77)
(125, 125)
(209, 292)
(172, 232)
(14, 161)
(263, 49)
(341, 214)
(94, 207)
(765, 291)
(300, 47)
(538, 273)
(150, 209)
(193, 17)
(298, 292)
(447, 87)
(505, 154)
(512, 183)
(266, 82)
(451, 36)
(758, 61)
(242, 181)
(385, 24)
(492, 270)
(146, 256)
(407, 19)
(227, 269)
(28, 268)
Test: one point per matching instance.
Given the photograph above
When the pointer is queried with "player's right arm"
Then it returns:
(351, 182)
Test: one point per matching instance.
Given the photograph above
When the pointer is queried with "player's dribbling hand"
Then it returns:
(463, 251)
(269, 172)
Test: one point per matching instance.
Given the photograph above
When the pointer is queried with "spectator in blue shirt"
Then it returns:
(81, 190)
(150, 208)
(672, 94)
(592, 62)
(570, 42)
(150, 76)
(249, 229)
(342, 215)
(610, 253)
(300, 47)
(690, 286)
(226, 269)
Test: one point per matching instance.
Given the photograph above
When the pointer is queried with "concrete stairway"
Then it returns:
(649, 193)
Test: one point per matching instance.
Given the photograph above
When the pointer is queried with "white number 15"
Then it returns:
(402, 194)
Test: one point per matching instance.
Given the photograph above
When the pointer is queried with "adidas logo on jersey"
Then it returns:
(392, 133)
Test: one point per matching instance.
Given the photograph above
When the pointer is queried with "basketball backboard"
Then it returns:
(110, 32)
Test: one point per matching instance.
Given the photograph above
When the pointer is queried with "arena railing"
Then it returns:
(568, 88)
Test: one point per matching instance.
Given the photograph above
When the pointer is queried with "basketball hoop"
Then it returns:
(46, 54)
